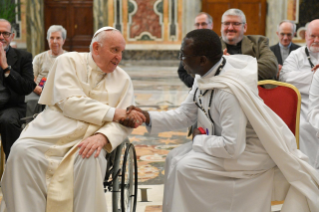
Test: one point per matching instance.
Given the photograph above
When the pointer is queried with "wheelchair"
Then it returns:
(121, 172)
(121, 177)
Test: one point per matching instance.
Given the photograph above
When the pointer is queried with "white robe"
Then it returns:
(232, 170)
(313, 113)
(297, 71)
(44, 170)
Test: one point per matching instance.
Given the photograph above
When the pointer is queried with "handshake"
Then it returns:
(131, 117)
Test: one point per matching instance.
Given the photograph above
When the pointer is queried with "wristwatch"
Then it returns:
(6, 70)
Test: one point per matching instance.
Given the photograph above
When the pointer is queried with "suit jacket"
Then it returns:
(276, 50)
(20, 81)
(257, 46)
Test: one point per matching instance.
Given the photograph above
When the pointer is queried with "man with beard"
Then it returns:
(298, 70)
(235, 42)
(16, 81)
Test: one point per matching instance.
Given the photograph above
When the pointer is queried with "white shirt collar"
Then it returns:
(213, 69)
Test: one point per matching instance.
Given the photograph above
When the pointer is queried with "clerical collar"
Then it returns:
(284, 47)
(234, 49)
(213, 69)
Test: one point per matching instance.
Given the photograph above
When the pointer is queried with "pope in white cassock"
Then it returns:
(58, 163)
(246, 150)
(298, 70)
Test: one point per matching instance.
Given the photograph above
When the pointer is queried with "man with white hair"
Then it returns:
(51, 166)
(286, 30)
(298, 70)
(234, 41)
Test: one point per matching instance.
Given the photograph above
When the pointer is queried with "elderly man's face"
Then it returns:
(285, 33)
(233, 29)
(56, 42)
(312, 37)
(5, 27)
(109, 54)
(201, 22)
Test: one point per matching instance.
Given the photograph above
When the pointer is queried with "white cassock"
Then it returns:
(44, 171)
(297, 71)
(313, 113)
(234, 169)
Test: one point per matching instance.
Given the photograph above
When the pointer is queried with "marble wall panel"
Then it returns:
(100, 15)
(146, 20)
(35, 26)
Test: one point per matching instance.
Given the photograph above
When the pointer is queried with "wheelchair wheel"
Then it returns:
(124, 196)
(129, 180)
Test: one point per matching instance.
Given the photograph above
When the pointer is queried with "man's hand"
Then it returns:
(225, 52)
(38, 90)
(196, 132)
(91, 144)
(314, 69)
(132, 119)
(144, 112)
(3, 57)
(279, 69)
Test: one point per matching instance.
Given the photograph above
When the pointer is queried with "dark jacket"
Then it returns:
(20, 81)
(276, 50)
(257, 46)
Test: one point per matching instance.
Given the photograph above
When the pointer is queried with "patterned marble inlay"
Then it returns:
(146, 21)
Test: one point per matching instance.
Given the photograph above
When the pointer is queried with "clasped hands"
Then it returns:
(131, 117)
(134, 117)
(3, 57)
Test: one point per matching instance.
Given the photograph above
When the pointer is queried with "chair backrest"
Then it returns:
(285, 100)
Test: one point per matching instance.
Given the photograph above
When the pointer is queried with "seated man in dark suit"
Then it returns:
(233, 40)
(285, 31)
(16, 81)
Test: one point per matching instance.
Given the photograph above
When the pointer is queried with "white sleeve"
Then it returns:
(36, 66)
(232, 141)
(313, 114)
(184, 116)
(289, 67)
(86, 109)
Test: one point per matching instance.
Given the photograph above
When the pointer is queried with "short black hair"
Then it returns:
(206, 43)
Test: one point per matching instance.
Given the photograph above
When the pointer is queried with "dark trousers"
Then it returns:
(10, 126)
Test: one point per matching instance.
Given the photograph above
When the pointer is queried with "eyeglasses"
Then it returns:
(201, 24)
(235, 24)
(183, 57)
(5, 34)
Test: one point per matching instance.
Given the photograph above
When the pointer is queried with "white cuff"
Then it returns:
(109, 116)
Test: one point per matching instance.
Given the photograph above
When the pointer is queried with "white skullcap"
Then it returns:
(103, 29)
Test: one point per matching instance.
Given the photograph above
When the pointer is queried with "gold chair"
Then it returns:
(285, 100)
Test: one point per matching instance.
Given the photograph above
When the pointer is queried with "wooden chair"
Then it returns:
(285, 100)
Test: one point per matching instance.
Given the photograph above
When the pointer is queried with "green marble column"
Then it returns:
(100, 15)
(35, 26)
